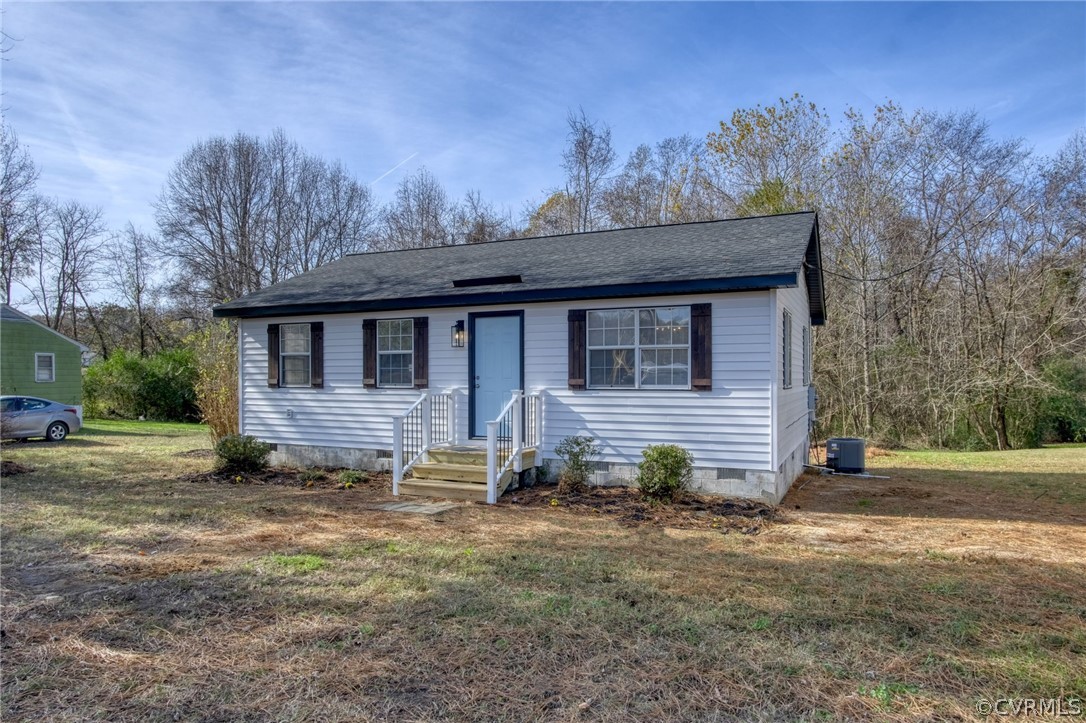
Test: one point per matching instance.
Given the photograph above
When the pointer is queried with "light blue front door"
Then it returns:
(496, 346)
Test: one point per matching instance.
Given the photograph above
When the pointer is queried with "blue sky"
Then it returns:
(107, 96)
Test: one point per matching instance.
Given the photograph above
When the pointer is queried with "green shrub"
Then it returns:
(665, 472)
(577, 455)
(241, 453)
(127, 386)
(312, 475)
(352, 476)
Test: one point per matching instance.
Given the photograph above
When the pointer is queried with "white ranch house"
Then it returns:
(459, 367)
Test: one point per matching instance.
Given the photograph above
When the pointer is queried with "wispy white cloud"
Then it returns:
(108, 96)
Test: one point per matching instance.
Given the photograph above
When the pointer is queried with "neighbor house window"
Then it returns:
(639, 348)
(45, 368)
(294, 354)
(806, 356)
(786, 336)
(395, 353)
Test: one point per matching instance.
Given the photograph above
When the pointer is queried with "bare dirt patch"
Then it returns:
(7, 467)
(628, 508)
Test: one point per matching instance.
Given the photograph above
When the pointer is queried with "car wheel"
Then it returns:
(56, 432)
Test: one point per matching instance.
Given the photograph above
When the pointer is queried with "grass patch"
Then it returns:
(299, 563)
(129, 591)
(1056, 473)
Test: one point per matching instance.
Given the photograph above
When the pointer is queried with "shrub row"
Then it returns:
(662, 476)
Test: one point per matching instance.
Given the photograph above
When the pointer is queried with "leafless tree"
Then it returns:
(238, 214)
(476, 220)
(420, 215)
(21, 209)
(587, 160)
(131, 272)
(67, 264)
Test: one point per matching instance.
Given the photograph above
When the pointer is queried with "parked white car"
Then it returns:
(26, 417)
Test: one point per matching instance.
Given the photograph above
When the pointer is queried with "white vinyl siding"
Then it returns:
(395, 353)
(792, 420)
(45, 369)
(294, 355)
(729, 426)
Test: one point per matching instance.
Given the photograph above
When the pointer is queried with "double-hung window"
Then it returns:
(639, 348)
(786, 351)
(395, 353)
(45, 368)
(294, 354)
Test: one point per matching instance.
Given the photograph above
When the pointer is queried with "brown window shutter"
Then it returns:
(701, 346)
(422, 352)
(316, 354)
(577, 361)
(369, 353)
(273, 355)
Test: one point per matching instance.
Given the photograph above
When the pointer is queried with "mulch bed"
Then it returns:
(628, 508)
(289, 477)
(8, 467)
(623, 504)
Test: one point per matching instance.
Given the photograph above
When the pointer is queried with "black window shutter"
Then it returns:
(422, 352)
(273, 355)
(369, 353)
(577, 361)
(701, 346)
(316, 354)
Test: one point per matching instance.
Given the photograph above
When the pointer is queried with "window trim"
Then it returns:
(308, 356)
(410, 354)
(637, 348)
(786, 350)
(52, 367)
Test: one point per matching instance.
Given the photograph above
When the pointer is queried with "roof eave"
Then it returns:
(528, 296)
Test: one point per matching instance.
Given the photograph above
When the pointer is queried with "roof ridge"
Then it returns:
(582, 233)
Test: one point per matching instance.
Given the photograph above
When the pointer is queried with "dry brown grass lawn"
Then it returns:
(130, 595)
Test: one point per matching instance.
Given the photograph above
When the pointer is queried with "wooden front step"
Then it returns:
(450, 472)
(441, 488)
(473, 457)
(475, 491)
(458, 473)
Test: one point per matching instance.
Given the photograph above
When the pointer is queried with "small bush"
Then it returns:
(577, 455)
(665, 472)
(312, 475)
(241, 453)
(352, 477)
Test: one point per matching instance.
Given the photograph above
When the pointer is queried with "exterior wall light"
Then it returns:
(458, 334)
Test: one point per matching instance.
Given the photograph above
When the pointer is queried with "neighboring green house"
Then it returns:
(36, 361)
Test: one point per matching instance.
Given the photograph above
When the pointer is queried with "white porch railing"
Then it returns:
(429, 422)
(509, 435)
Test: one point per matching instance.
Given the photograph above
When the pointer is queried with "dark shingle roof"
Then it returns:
(740, 254)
